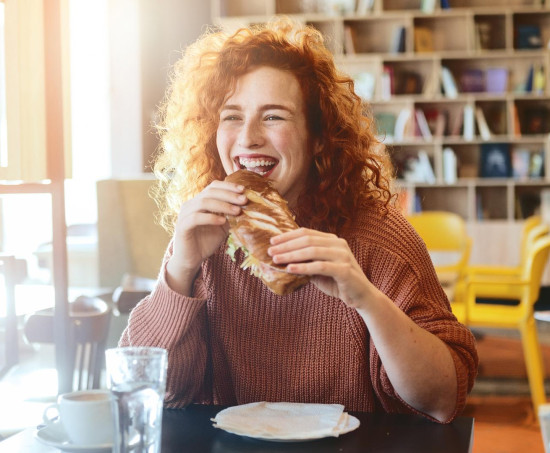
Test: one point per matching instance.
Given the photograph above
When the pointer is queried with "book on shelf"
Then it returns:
(386, 82)
(437, 121)
(480, 215)
(427, 6)
(449, 162)
(520, 159)
(468, 170)
(418, 169)
(539, 80)
(494, 161)
(422, 123)
(385, 124)
(431, 85)
(495, 114)
(364, 84)
(398, 40)
(482, 125)
(349, 40)
(468, 122)
(472, 80)
(448, 83)
(417, 203)
(514, 117)
(528, 85)
(545, 205)
(529, 36)
(455, 126)
(423, 39)
(404, 202)
(482, 37)
(496, 80)
(426, 166)
(402, 124)
(364, 6)
(536, 164)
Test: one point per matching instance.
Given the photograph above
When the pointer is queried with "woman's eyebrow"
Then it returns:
(277, 107)
(262, 108)
(230, 107)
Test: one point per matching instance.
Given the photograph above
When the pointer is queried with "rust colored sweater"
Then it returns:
(235, 342)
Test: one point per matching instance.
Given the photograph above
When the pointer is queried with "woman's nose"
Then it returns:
(251, 135)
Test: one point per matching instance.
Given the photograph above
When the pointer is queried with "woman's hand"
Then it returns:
(200, 229)
(327, 259)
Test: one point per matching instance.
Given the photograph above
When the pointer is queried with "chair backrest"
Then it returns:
(529, 223)
(447, 240)
(130, 241)
(444, 232)
(535, 263)
(440, 230)
(89, 320)
(528, 238)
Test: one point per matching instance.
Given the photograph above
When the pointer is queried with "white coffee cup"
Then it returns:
(85, 416)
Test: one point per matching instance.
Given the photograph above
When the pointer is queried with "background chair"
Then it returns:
(524, 288)
(533, 228)
(130, 241)
(90, 318)
(447, 240)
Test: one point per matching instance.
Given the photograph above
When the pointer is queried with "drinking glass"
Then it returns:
(136, 377)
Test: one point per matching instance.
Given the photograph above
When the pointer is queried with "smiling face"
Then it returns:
(263, 128)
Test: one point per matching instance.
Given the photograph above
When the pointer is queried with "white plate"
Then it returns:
(352, 424)
(55, 439)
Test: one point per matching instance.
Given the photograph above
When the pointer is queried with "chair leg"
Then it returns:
(533, 362)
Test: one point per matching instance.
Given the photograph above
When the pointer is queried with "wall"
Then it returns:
(146, 38)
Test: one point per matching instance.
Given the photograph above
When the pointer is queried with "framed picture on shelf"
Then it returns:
(408, 82)
(423, 39)
(495, 161)
(536, 120)
(528, 37)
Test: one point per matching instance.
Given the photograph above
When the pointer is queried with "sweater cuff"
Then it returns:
(162, 318)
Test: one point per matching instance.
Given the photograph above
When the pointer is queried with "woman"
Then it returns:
(373, 329)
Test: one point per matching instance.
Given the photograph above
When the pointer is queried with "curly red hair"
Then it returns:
(349, 165)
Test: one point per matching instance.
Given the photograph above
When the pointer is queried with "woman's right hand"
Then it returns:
(200, 228)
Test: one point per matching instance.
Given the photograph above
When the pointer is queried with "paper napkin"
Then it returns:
(296, 421)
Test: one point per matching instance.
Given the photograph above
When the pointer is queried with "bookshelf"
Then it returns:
(476, 72)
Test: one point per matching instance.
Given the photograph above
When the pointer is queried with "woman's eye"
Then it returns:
(230, 118)
(273, 118)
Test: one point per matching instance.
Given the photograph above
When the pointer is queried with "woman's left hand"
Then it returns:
(325, 257)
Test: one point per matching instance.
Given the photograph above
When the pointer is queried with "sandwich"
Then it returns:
(265, 215)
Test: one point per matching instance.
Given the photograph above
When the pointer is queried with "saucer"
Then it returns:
(55, 439)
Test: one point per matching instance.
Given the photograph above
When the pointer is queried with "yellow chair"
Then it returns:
(525, 288)
(447, 240)
(533, 228)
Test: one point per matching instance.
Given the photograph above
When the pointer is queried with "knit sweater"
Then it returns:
(236, 342)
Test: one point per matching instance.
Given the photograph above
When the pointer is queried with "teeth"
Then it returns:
(246, 162)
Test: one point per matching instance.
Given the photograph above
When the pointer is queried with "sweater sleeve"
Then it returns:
(177, 323)
(427, 307)
(406, 275)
